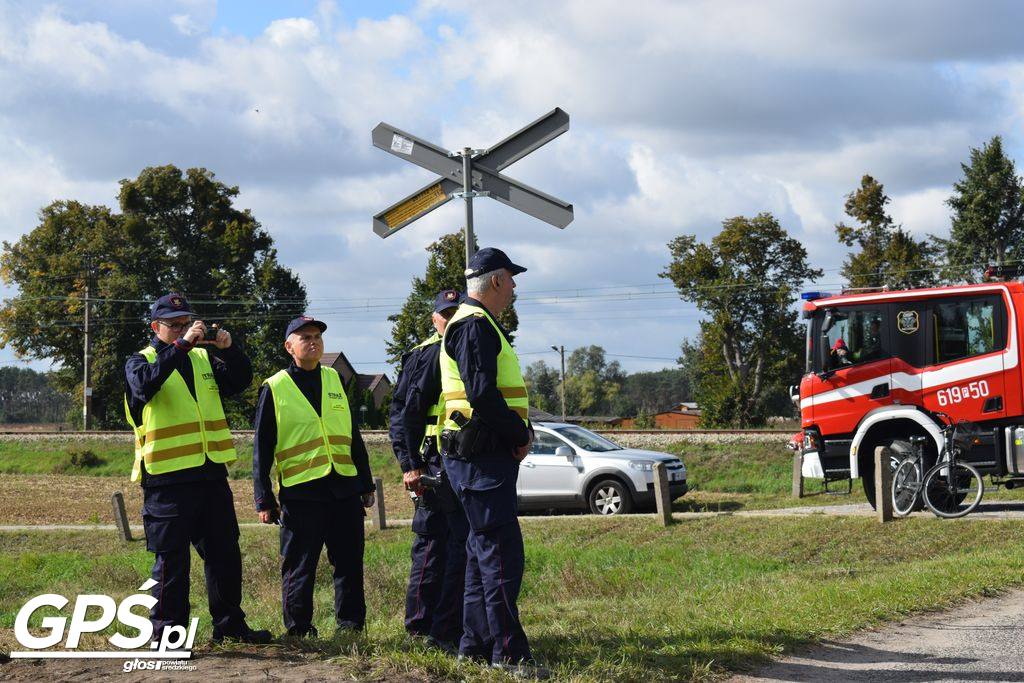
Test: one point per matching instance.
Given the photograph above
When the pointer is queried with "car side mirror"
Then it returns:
(566, 453)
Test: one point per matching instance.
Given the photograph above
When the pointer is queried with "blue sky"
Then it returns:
(683, 114)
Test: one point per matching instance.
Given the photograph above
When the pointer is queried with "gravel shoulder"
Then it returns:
(977, 641)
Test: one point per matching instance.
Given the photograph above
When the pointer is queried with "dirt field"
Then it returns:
(66, 499)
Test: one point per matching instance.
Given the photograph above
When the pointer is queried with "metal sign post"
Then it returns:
(476, 174)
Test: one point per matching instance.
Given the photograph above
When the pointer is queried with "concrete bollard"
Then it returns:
(378, 519)
(798, 475)
(883, 485)
(662, 497)
(121, 517)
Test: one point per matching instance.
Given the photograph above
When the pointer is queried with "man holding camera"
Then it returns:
(306, 434)
(486, 433)
(173, 390)
(433, 601)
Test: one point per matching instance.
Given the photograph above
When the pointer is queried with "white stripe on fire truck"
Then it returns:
(951, 374)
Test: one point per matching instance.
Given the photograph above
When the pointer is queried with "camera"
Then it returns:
(211, 333)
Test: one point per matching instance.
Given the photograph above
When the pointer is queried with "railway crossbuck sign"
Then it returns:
(476, 174)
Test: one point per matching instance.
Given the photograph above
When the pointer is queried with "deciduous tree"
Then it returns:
(745, 280)
(176, 232)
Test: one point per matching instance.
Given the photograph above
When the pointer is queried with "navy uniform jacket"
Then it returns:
(488, 482)
(333, 486)
(231, 370)
(417, 389)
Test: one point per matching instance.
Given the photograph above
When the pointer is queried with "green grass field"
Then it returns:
(722, 476)
(604, 599)
(613, 599)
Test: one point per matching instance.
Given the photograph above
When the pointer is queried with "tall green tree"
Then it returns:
(745, 280)
(446, 268)
(591, 383)
(543, 383)
(888, 256)
(987, 215)
(176, 232)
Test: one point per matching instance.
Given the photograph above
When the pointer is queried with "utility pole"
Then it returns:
(561, 351)
(86, 388)
(87, 391)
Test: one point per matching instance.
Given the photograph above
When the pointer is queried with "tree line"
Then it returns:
(26, 396)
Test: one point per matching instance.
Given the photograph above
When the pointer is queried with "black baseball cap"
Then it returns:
(490, 258)
(302, 321)
(447, 298)
(169, 306)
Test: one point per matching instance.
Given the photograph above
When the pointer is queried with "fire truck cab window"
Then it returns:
(965, 328)
(856, 336)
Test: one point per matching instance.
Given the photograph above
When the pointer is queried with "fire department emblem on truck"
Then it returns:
(908, 322)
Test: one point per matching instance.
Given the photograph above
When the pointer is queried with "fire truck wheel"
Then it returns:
(898, 449)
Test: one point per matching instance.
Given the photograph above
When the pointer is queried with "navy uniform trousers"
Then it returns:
(495, 558)
(433, 600)
(201, 513)
(306, 527)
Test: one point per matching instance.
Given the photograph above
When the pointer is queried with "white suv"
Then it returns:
(572, 467)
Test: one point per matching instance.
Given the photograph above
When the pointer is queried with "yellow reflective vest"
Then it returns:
(510, 378)
(178, 431)
(309, 445)
(433, 417)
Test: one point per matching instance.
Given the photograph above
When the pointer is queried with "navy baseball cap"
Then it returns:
(488, 259)
(302, 321)
(169, 306)
(447, 298)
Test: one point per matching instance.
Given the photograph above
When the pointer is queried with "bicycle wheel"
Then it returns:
(953, 493)
(906, 487)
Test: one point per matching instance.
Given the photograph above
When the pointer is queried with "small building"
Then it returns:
(378, 384)
(339, 362)
(681, 416)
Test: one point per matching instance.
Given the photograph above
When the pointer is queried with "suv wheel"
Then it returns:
(609, 497)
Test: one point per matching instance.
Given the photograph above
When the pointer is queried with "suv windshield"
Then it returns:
(588, 440)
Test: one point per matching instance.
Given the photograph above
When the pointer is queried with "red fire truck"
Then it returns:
(880, 364)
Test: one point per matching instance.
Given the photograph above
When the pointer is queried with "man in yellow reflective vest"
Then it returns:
(173, 391)
(433, 599)
(307, 439)
(486, 434)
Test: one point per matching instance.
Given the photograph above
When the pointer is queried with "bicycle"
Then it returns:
(952, 488)
(907, 480)
(949, 488)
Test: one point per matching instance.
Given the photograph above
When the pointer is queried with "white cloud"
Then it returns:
(187, 24)
(683, 115)
(289, 33)
(923, 213)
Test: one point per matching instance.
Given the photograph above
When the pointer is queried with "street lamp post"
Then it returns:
(560, 350)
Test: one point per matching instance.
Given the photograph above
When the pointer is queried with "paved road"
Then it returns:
(979, 641)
